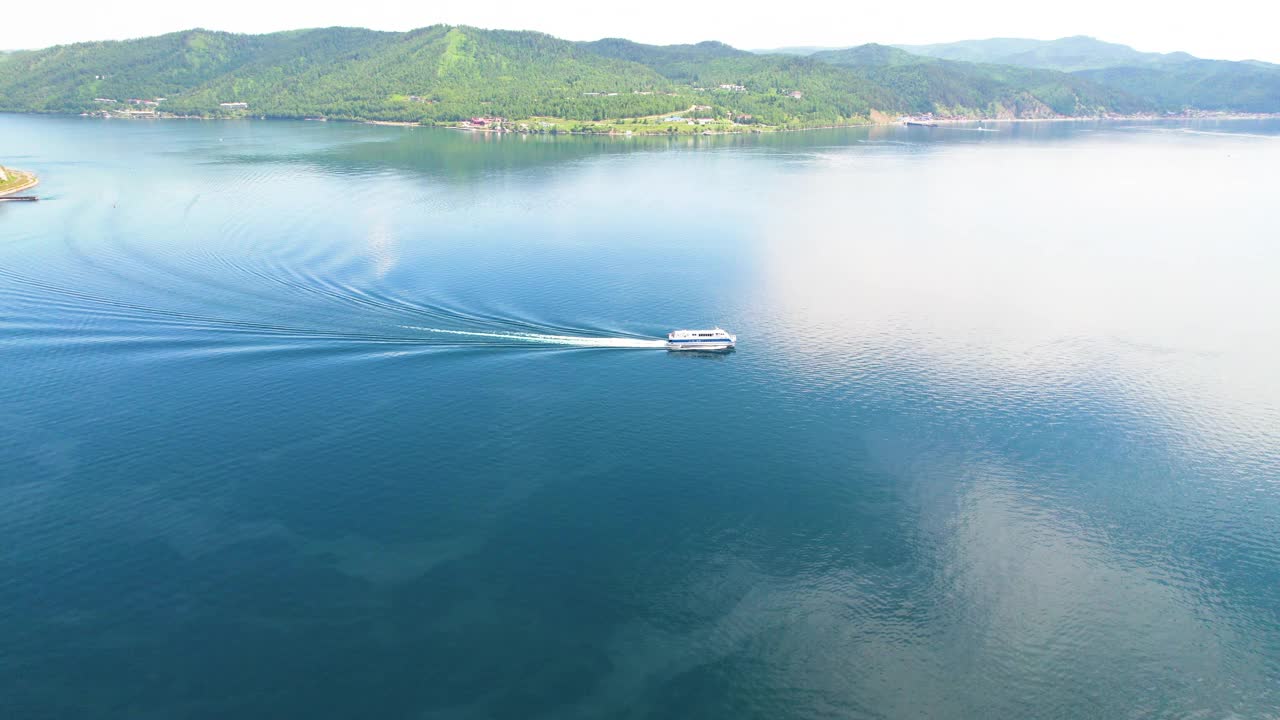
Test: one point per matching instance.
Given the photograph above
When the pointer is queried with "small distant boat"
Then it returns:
(713, 339)
(917, 123)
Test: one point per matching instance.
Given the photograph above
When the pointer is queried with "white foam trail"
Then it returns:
(1190, 131)
(573, 340)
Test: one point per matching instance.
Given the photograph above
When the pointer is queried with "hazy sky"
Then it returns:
(1231, 29)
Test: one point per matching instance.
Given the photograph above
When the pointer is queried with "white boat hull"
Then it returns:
(712, 340)
(699, 346)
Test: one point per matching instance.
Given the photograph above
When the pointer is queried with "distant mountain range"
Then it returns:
(1068, 54)
(953, 87)
(1164, 81)
(798, 50)
(448, 74)
(1155, 81)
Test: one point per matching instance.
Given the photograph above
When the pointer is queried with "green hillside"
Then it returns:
(447, 74)
(441, 74)
(337, 72)
(68, 77)
(826, 94)
(1217, 84)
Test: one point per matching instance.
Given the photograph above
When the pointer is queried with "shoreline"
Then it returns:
(1201, 116)
(31, 181)
(937, 122)
(1105, 118)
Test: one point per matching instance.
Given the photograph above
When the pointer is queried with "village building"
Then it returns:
(490, 123)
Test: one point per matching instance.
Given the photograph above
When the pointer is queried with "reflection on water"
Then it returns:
(328, 419)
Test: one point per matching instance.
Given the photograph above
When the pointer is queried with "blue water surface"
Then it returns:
(324, 420)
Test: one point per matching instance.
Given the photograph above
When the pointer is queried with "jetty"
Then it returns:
(13, 182)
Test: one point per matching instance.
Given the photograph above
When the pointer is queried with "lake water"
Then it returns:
(333, 421)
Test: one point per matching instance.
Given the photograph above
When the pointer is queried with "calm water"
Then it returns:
(323, 420)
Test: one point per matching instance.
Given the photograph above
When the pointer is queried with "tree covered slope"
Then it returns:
(443, 73)
(338, 72)
(1217, 84)
(778, 88)
(68, 77)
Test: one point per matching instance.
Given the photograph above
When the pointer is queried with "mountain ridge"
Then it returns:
(1067, 54)
(446, 74)
(1166, 82)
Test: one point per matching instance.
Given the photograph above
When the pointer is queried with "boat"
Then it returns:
(713, 339)
(916, 123)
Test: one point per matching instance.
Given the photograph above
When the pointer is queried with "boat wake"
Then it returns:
(553, 340)
(1218, 133)
(270, 305)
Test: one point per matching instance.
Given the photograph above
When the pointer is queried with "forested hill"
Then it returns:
(435, 73)
(444, 74)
